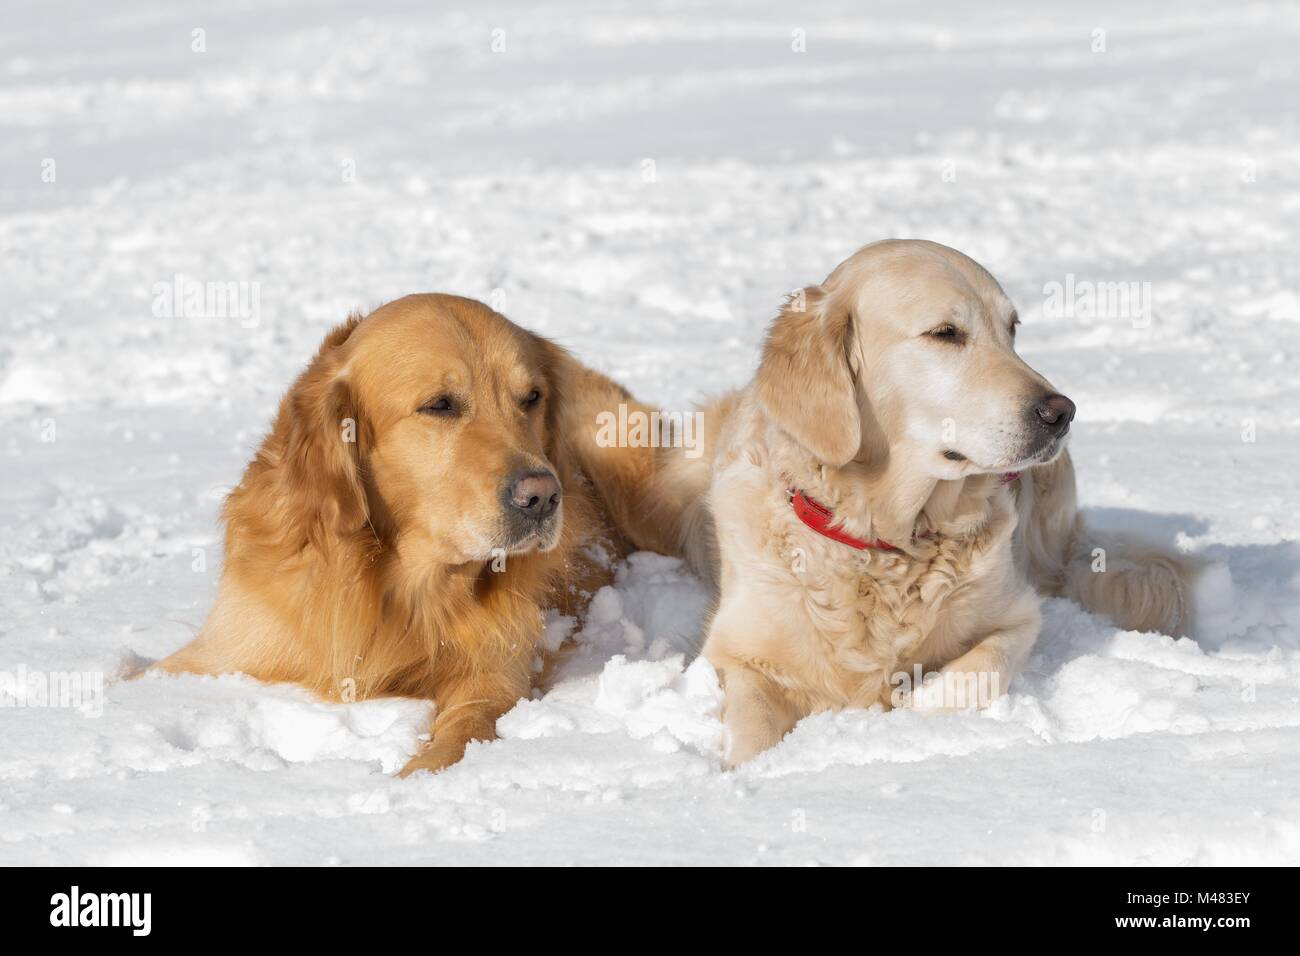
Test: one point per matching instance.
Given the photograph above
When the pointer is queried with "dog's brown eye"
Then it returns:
(533, 398)
(946, 333)
(442, 405)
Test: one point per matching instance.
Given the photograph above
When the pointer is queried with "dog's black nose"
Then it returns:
(535, 493)
(1055, 411)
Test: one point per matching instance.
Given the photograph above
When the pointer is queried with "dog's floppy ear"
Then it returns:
(321, 434)
(561, 371)
(804, 382)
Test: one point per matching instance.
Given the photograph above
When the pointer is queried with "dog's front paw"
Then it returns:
(739, 753)
(434, 756)
(949, 692)
(931, 698)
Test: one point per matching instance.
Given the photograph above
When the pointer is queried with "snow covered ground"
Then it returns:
(642, 183)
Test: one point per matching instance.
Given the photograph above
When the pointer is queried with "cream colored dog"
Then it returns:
(888, 497)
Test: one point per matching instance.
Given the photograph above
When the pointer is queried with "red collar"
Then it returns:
(822, 520)
(818, 517)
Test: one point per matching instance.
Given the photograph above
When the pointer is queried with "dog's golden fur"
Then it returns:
(891, 393)
(366, 550)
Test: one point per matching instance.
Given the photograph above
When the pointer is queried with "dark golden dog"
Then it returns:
(426, 492)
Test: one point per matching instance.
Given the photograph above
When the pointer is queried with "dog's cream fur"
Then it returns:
(863, 401)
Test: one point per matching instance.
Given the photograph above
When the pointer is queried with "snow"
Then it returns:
(644, 184)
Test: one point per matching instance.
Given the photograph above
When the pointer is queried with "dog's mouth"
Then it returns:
(1046, 451)
(1050, 448)
(541, 535)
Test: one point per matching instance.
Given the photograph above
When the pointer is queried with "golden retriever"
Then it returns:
(429, 487)
(888, 498)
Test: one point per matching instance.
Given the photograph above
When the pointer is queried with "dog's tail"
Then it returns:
(1137, 584)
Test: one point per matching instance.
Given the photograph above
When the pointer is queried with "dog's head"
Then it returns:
(908, 349)
(428, 423)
